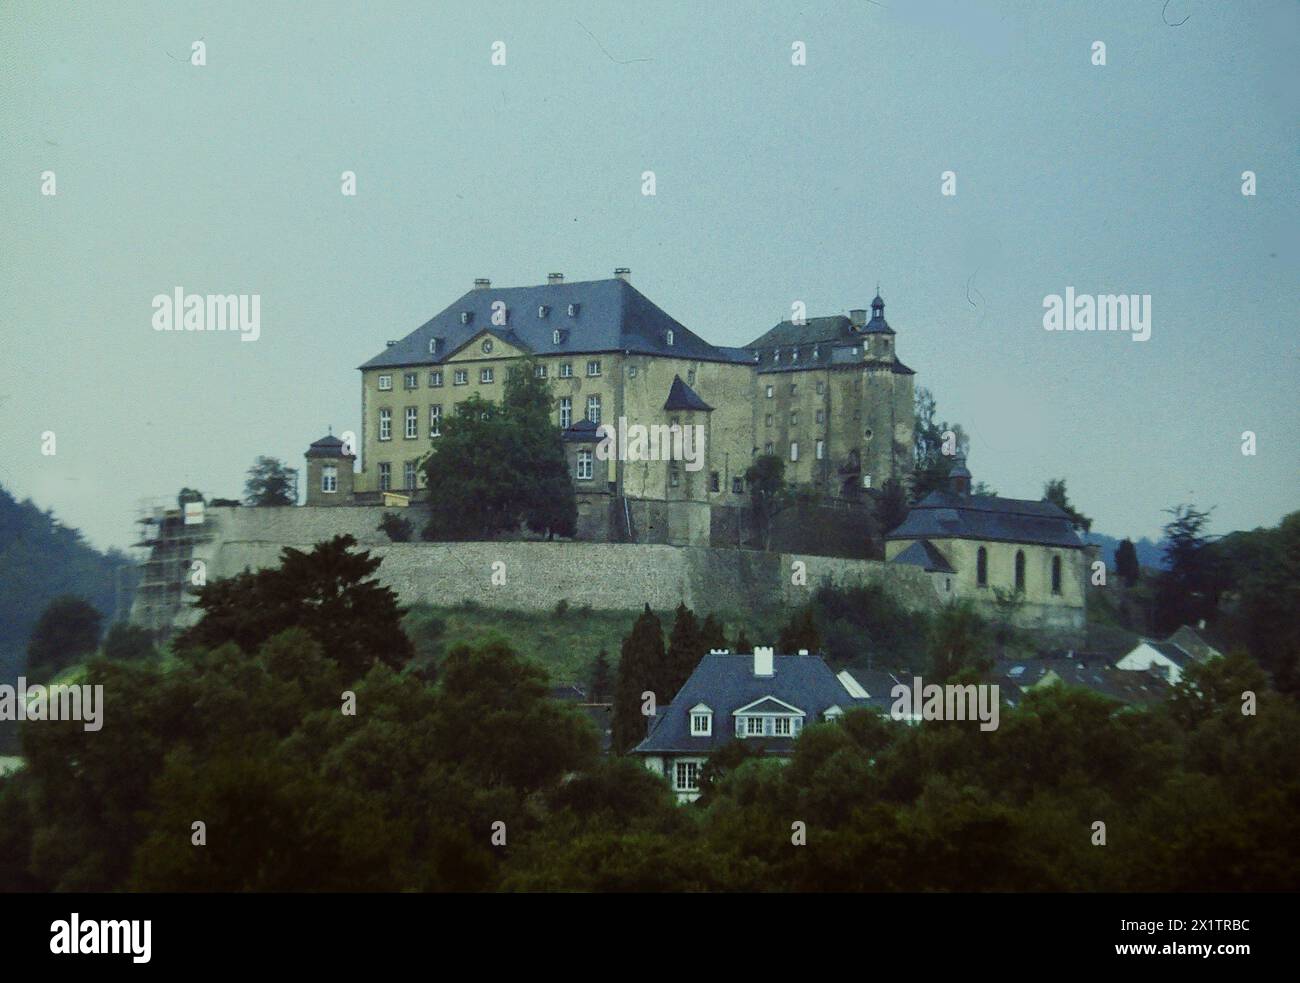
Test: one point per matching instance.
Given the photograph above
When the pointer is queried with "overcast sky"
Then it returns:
(775, 183)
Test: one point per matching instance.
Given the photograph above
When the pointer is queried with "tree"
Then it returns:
(765, 479)
(641, 660)
(270, 482)
(957, 641)
(742, 643)
(711, 634)
(891, 506)
(800, 633)
(600, 681)
(1054, 492)
(328, 592)
(935, 444)
(397, 527)
(685, 649)
(497, 467)
(1186, 590)
(1126, 562)
(125, 642)
(67, 632)
(1270, 601)
(188, 495)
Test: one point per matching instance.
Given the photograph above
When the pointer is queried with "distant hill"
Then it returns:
(40, 558)
(1149, 554)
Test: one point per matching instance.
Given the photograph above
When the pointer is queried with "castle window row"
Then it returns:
(982, 570)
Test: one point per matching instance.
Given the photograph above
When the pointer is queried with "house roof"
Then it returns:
(945, 515)
(582, 432)
(923, 554)
(836, 329)
(610, 315)
(1017, 677)
(1193, 644)
(327, 446)
(683, 397)
(727, 683)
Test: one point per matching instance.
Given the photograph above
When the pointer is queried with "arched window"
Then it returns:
(1056, 575)
(982, 567)
(1020, 570)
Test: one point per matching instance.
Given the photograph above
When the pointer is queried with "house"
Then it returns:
(1092, 671)
(1171, 656)
(983, 547)
(760, 697)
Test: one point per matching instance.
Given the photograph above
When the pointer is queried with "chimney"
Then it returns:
(623, 273)
(555, 279)
(391, 344)
(763, 662)
(482, 283)
(858, 317)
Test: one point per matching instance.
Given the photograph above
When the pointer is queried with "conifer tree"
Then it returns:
(800, 633)
(685, 649)
(641, 658)
(711, 634)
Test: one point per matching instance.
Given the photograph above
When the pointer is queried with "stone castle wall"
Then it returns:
(607, 576)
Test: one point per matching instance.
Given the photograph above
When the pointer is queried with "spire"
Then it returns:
(959, 478)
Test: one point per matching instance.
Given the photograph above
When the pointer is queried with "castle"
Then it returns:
(827, 394)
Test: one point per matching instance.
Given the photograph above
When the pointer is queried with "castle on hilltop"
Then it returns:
(827, 394)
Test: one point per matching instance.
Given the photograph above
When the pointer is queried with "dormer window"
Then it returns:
(701, 721)
(556, 336)
(543, 311)
(668, 337)
(832, 714)
(573, 310)
(466, 317)
(434, 345)
(815, 353)
(794, 355)
(776, 355)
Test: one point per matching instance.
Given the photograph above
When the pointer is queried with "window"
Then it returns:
(329, 479)
(566, 370)
(593, 367)
(821, 450)
(794, 418)
(690, 376)
(461, 378)
(669, 336)
(385, 383)
(1020, 570)
(1056, 575)
(573, 310)
(754, 726)
(982, 567)
(674, 476)
(794, 355)
(769, 420)
(794, 450)
(485, 376)
(821, 386)
(465, 317)
(714, 481)
(584, 465)
(794, 388)
(776, 355)
(486, 346)
(781, 726)
(821, 416)
(737, 486)
(385, 424)
(411, 380)
(434, 345)
(408, 475)
(543, 310)
(385, 476)
(566, 412)
(686, 776)
(555, 336)
(701, 723)
(769, 448)
(435, 420)
(593, 409)
(539, 371)
(435, 379)
(769, 392)
(412, 423)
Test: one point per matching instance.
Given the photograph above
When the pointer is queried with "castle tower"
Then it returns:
(329, 472)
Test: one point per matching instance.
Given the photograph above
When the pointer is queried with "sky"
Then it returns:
(775, 183)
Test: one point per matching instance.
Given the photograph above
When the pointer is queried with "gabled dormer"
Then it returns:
(701, 720)
(768, 717)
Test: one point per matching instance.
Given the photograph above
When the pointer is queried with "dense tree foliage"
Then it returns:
(1054, 492)
(1127, 567)
(641, 664)
(271, 482)
(67, 632)
(932, 453)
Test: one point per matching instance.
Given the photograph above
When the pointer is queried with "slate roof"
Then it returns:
(611, 315)
(582, 432)
(923, 554)
(836, 329)
(725, 683)
(683, 397)
(1017, 677)
(945, 515)
(1170, 651)
(327, 446)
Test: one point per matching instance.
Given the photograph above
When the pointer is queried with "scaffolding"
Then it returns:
(168, 537)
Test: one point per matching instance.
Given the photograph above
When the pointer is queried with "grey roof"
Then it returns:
(879, 684)
(836, 329)
(1193, 644)
(725, 683)
(683, 397)
(923, 554)
(611, 315)
(582, 432)
(1171, 652)
(945, 515)
(327, 446)
(1016, 677)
